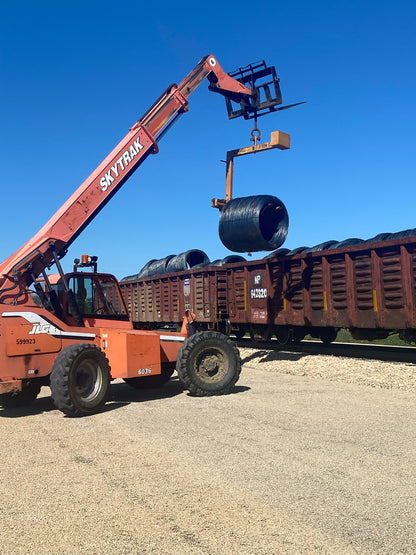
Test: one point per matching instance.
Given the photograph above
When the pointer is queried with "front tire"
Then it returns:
(208, 363)
(80, 380)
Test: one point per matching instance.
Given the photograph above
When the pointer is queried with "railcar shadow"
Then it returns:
(269, 356)
(236, 389)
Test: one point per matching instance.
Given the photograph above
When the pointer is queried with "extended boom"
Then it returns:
(51, 243)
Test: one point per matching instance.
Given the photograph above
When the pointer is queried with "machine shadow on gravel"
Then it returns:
(45, 404)
(120, 395)
(121, 392)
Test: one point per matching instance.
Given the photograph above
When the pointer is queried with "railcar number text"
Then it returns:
(258, 293)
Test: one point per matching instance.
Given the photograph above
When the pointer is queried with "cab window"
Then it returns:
(97, 295)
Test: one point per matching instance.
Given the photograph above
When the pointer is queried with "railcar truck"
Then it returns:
(71, 331)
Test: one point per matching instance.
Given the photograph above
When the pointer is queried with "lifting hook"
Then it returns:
(255, 132)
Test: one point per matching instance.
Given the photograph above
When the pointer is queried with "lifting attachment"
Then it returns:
(266, 94)
(266, 97)
(278, 139)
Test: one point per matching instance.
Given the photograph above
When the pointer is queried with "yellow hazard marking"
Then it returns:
(284, 303)
(375, 300)
(325, 302)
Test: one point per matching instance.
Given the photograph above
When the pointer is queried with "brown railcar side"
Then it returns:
(368, 288)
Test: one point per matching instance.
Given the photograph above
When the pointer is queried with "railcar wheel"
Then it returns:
(260, 332)
(80, 380)
(328, 335)
(283, 335)
(298, 335)
(239, 333)
(150, 382)
(30, 390)
(208, 363)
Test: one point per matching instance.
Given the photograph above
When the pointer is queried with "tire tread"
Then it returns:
(185, 373)
(59, 381)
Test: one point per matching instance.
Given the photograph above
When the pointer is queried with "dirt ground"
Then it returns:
(293, 461)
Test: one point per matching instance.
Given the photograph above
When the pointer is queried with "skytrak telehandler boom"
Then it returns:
(24, 266)
(73, 332)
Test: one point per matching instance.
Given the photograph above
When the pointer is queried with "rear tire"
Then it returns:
(208, 363)
(80, 380)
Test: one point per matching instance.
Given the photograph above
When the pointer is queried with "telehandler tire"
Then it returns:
(80, 380)
(30, 390)
(151, 382)
(208, 363)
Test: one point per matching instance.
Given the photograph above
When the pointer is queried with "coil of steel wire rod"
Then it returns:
(403, 234)
(255, 223)
(379, 237)
(352, 241)
(277, 253)
(331, 244)
(297, 250)
(231, 259)
(187, 260)
(157, 267)
(130, 278)
(143, 271)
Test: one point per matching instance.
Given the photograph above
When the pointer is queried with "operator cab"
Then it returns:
(82, 296)
(96, 296)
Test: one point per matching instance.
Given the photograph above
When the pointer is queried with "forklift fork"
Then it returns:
(266, 94)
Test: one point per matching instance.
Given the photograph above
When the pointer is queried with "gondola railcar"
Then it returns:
(367, 287)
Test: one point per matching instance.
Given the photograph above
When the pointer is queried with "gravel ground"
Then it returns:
(388, 375)
(310, 454)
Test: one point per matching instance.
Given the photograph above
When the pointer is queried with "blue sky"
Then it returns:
(76, 75)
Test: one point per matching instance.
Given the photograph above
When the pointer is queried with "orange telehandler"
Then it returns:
(72, 331)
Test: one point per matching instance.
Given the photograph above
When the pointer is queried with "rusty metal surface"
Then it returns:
(369, 285)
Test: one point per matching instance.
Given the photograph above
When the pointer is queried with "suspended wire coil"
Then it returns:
(255, 223)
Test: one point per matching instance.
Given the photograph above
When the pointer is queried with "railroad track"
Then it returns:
(351, 350)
